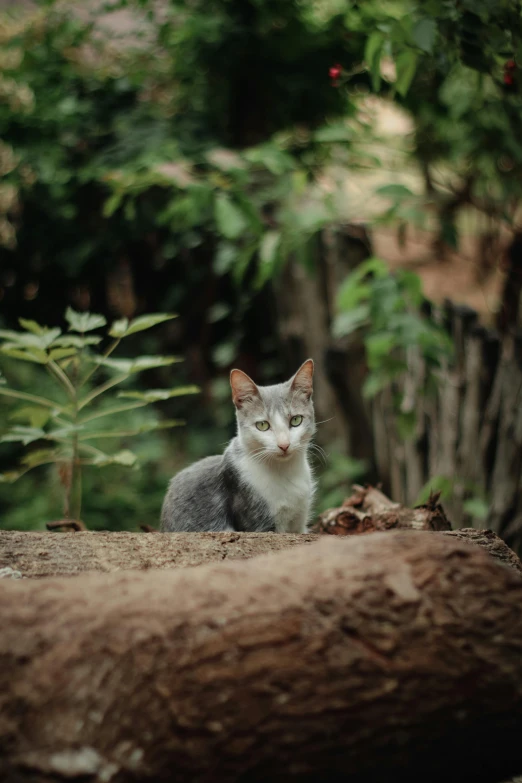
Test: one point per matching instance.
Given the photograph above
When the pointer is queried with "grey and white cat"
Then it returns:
(262, 482)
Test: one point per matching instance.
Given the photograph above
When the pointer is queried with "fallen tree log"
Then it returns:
(36, 554)
(39, 555)
(396, 656)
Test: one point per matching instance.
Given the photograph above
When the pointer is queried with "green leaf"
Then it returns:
(112, 203)
(65, 432)
(374, 44)
(411, 284)
(25, 435)
(378, 346)
(217, 312)
(372, 56)
(406, 423)
(347, 322)
(394, 191)
(353, 290)
(123, 328)
(40, 401)
(33, 326)
(476, 508)
(424, 33)
(231, 222)
(9, 334)
(125, 457)
(83, 322)
(406, 64)
(55, 354)
(224, 353)
(156, 395)
(37, 417)
(330, 134)
(39, 457)
(268, 256)
(225, 258)
(269, 246)
(242, 264)
(10, 476)
(39, 337)
(73, 341)
(139, 364)
(374, 383)
(274, 159)
(35, 355)
(442, 484)
(119, 328)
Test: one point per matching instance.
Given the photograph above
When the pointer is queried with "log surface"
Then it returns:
(38, 555)
(392, 656)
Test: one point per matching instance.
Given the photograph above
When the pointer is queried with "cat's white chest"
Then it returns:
(287, 490)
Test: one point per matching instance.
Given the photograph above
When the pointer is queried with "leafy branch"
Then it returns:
(72, 361)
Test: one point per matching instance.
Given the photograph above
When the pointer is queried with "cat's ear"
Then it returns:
(303, 379)
(243, 388)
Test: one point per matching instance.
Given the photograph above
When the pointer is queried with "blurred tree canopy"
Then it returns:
(457, 68)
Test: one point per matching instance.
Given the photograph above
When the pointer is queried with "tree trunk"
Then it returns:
(395, 656)
(508, 317)
(306, 307)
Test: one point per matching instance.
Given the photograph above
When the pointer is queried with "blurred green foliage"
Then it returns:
(175, 167)
(387, 308)
(181, 158)
(457, 71)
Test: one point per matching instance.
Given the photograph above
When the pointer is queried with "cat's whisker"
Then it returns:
(325, 420)
(322, 455)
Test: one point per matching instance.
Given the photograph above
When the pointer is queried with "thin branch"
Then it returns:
(34, 398)
(119, 409)
(106, 354)
(92, 449)
(61, 376)
(101, 390)
(117, 434)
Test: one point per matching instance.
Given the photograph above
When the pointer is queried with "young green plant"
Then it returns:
(60, 428)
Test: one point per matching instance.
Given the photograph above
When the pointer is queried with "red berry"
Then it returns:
(335, 71)
(508, 79)
(511, 65)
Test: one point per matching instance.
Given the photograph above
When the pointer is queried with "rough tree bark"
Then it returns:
(68, 554)
(395, 656)
(37, 555)
(368, 510)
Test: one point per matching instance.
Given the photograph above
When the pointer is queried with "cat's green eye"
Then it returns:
(295, 421)
(263, 426)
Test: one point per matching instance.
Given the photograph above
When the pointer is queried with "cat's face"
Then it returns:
(275, 422)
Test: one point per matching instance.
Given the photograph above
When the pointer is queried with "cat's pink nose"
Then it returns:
(283, 447)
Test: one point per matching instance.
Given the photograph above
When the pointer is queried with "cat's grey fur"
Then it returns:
(255, 485)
